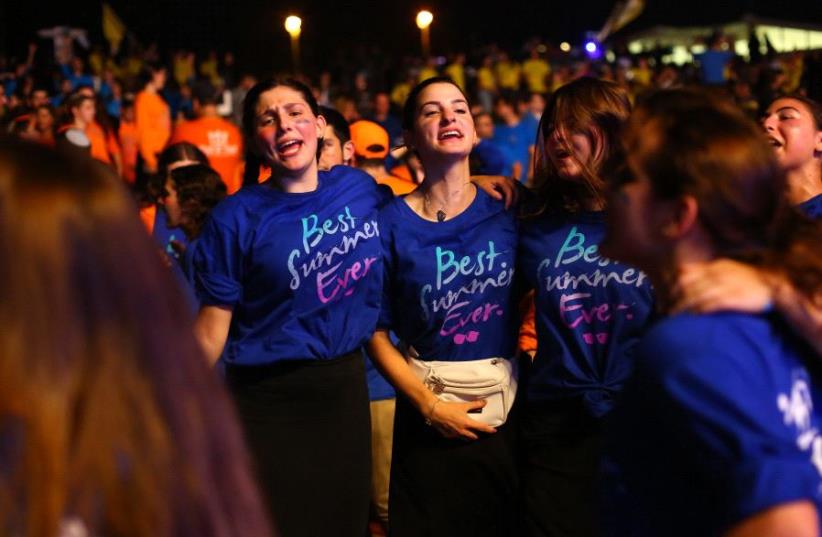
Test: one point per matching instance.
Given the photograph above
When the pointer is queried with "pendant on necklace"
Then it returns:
(440, 216)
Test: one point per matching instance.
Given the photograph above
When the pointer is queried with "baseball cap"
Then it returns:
(370, 140)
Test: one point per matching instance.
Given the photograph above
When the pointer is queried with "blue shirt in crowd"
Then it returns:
(516, 141)
(302, 271)
(448, 290)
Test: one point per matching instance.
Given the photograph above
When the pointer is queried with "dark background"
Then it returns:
(253, 29)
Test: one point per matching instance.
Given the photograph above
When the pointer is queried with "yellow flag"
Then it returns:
(113, 28)
(624, 12)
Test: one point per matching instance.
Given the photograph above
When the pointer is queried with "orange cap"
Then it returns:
(370, 140)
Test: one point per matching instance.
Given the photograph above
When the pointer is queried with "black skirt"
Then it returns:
(451, 487)
(307, 425)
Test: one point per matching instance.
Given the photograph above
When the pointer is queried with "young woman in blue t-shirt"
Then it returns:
(449, 251)
(717, 433)
(793, 127)
(590, 310)
(289, 275)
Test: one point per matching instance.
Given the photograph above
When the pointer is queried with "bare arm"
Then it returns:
(211, 330)
(795, 519)
(450, 419)
(729, 285)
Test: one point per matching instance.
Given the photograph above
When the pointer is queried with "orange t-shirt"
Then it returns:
(128, 140)
(398, 185)
(222, 143)
(153, 123)
(147, 216)
(103, 146)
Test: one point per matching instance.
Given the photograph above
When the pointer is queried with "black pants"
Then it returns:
(307, 425)
(560, 463)
(451, 487)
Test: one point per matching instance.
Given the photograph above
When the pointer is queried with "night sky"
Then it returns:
(253, 28)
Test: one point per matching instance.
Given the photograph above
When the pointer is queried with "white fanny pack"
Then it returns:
(491, 379)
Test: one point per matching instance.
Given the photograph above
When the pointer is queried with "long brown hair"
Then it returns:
(689, 143)
(596, 108)
(108, 412)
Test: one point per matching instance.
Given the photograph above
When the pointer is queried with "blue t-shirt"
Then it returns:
(590, 311)
(717, 424)
(812, 207)
(516, 141)
(712, 64)
(303, 271)
(448, 285)
(491, 160)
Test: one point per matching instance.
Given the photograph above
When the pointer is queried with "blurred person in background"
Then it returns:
(371, 145)
(152, 117)
(337, 147)
(513, 135)
(386, 119)
(218, 138)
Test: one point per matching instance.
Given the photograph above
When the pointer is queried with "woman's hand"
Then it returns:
(498, 187)
(452, 419)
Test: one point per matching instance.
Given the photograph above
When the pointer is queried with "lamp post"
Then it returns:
(424, 19)
(293, 25)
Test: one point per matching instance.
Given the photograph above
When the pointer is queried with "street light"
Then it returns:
(424, 20)
(293, 25)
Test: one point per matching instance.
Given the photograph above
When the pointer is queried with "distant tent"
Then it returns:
(681, 42)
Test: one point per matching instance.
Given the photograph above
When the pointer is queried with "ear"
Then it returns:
(348, 153)
(681, 219)
(817, 143)
(321, 123)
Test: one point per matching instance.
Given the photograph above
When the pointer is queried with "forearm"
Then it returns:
(396, 369)
(211, 331)
(796, 519)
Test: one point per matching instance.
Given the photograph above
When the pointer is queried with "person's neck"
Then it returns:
(663, 274)
(297, 183)
(447, 189)
(805, 183)
(377, 172)
(511, 120)
(151, 88)
(80, 125)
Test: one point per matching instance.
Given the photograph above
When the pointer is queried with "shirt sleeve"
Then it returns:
(217, 263)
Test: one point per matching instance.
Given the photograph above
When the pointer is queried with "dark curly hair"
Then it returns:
(199, 189)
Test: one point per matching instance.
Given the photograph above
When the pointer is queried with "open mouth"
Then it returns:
(774, 142)
(289, 147)
(450, 134)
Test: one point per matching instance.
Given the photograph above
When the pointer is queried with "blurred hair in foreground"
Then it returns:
(109, 415)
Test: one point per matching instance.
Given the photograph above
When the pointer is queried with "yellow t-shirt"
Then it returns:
(456, 72)
(508, 74)
(426, 73)
(486, 79)
(400, 93)
(536, 72)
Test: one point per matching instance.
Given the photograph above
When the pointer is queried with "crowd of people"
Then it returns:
(533, 296)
